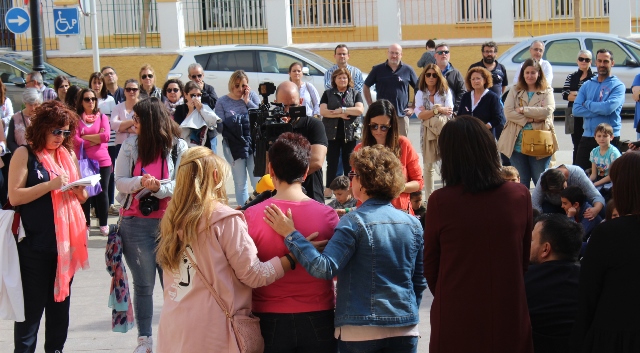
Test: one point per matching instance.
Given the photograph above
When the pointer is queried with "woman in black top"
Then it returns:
(341, 108)
(569, 93)
(479, 101)
(608, 306)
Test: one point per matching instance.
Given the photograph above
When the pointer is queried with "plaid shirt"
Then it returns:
(48, 94)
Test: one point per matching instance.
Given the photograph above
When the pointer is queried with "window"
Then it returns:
(231, 61)
(274, 62)
(562, 52)
(521, 10)
(7, 72)
(128, 16)
(620, 57)
(590, 8)
(320, 13)
(562, 9)
(634, 51)
(232, 14)
(522, 55)
(474, 11)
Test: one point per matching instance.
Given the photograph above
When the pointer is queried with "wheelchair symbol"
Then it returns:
(62, 25)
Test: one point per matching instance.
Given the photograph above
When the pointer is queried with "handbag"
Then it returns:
(568, 121)
(537, 143)
(89, 167)
(245, 327)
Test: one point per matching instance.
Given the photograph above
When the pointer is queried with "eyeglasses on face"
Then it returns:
(135, 118)
(442, 52)
(131, 89)
(173, 90)
(352, 174)
(144, 77)
(58, 132)
(110, 73)
(430, 75)
(89, 99)
(195, 95)
(581, 59)
(196, 76)
(383, 128)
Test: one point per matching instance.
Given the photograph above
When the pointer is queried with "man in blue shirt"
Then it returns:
(453, 76)
(498, 71)
(341, 54)
(392, 79)
(599, 101)
(635, 92)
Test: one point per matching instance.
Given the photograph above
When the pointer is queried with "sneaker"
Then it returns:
(114, 211)
(104, 230)
(145, 345)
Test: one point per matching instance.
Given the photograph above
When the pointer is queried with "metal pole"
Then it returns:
(36, 36)
(94, 36)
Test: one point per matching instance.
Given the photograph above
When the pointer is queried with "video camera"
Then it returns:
(267, 125)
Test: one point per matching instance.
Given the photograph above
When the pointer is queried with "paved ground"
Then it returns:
(90, 328)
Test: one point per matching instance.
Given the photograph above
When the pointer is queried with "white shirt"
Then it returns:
(546, 69)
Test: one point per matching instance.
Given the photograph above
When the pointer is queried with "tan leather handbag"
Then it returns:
(537, 143)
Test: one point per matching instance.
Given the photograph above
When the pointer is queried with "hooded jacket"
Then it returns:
(600, 102)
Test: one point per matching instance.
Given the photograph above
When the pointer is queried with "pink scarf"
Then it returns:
(89, 118)
(71, 227)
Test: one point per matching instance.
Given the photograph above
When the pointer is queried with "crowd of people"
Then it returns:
(349, 275)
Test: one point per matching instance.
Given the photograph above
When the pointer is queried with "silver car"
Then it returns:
(561, 50)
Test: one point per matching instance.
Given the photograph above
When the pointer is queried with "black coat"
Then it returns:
(489, 110)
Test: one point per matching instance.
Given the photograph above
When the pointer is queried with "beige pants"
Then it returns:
(428, 174)
(403, 125)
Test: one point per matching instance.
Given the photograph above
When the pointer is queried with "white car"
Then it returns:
(261, 63)
(561, 50)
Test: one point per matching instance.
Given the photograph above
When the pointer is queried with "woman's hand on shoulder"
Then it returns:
(278, 221)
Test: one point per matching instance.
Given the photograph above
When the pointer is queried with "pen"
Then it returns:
(56, 174)
(143, 171)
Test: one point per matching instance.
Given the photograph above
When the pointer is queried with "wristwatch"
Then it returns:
(435, 111)
(344, 110)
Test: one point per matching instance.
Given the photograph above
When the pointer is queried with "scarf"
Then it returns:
(172, 106)
(89, 118)
(122, 318)
(70, 224)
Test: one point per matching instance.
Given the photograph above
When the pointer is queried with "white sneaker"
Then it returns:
(145, 345)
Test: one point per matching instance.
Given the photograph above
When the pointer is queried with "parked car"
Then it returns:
(14, 68)
(261, 63)
(561, 50)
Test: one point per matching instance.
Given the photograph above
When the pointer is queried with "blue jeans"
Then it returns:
(529, 167)
(308, 332)
(400, 344)
(239, 169)
(214, 144)
(138, 245)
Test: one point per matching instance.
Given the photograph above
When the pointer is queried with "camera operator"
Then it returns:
(311, 128)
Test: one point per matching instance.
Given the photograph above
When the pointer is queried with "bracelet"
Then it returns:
(291, 262)
(344, 110)
(346, 210)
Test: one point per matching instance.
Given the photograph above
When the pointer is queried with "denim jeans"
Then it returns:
(529, 167)
(38, 272)
(239, 169)
(100, 201)
(338, 153)
(138, 245)
(400, 344)
(214, 144)
(310, 332)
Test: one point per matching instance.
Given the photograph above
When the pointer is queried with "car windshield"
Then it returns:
(52, 71)
(326, 64)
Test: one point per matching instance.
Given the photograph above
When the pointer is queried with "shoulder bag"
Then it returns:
(245, 327)
(536, 143)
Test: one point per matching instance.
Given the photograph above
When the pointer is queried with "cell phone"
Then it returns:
(637, 144)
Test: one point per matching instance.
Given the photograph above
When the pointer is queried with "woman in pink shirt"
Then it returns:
(199, 227)
(296, 312)
(92, 134)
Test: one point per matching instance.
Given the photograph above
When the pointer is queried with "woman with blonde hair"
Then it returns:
(434, 106)
(199, 227)
(529, 106)
(148, 83)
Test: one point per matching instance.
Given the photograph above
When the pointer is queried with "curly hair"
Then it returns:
(289, 157)
(49, 116)
(80, 98)
(541, 82)
(442, 87)
(100, 77)
(486, 75)
(340, 71)
(379, 172)
(170, 81)
(200, 187)
(386, 108)
(157, 130)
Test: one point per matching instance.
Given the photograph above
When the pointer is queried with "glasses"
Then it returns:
(111, 73)
(489, 52)
(173, 90)
(89, 99)
(196, 76)
(352, 174)
(131, 89)
(581, 59)
(383, 128)
(135, 118)
(195, 95)
(144, 77)
(430, 75)
(58, 132)
(442, 52)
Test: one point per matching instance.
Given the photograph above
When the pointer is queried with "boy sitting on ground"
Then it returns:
(574, 202)
(344, 201)
(510, 173)
(419, 208)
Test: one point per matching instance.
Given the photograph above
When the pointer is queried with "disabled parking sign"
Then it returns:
(66, 21)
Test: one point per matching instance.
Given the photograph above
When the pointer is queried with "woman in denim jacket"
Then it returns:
(376, 252)
(145, 179)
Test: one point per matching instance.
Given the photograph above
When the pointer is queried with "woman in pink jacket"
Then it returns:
(198, 225)
(93, 135)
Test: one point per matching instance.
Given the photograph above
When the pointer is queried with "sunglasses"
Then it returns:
(581, 59)
(144, 77)
(196, 76)
(383, 128)
(173, 90)
(441, 52)
(58, 132)
(196, 95)
(430, 75)
(131, 89)
(352, 174)
(89, 99)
